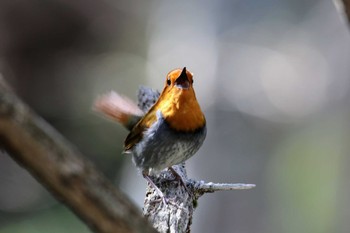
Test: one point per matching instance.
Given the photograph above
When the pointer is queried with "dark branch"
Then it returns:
(55, 163)
(343, 6)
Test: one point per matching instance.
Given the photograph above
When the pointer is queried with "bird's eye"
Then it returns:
(168, 82)
(192, 81)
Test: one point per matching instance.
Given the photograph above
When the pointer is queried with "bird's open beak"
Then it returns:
(182, 81)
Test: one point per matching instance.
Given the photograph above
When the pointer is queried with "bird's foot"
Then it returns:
(159, 192)
(178, 178)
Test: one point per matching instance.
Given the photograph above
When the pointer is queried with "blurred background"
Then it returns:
(272, 77)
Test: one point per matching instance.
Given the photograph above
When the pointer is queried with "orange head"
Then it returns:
(178, 105)
(178, 102)
(179, 79)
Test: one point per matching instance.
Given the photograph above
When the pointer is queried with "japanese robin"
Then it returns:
(165, 129)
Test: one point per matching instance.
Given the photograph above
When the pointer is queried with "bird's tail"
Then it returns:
(119, 108)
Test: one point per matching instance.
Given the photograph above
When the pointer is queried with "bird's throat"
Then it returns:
(182, 111)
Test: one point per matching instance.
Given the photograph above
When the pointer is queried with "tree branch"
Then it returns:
(343, 6)
(62, 169)
(176, 216)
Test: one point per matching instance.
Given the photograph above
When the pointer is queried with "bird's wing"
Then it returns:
(147, 98)
(137, 133)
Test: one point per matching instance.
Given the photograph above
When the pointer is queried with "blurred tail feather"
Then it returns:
(118, 107)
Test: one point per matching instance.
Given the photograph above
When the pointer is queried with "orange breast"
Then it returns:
(181, 110)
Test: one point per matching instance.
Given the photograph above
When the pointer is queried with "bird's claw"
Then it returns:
(179, 178)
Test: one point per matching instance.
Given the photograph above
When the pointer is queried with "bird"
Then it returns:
(166, 128)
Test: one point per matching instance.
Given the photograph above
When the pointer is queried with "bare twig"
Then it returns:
(212, 187)
(62, 169)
